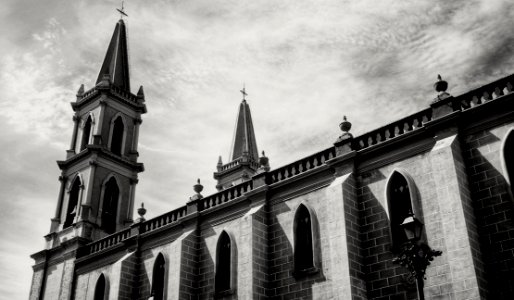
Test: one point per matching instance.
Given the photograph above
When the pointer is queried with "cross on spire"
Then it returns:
(243, 91)
(122, 11)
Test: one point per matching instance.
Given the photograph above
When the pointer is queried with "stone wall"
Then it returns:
(493, 206)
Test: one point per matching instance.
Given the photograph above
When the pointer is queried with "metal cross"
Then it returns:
(122, 11)
(243, 91)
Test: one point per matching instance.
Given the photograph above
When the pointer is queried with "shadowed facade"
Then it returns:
(326, 226)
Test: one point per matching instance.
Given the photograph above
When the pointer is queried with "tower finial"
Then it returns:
(122, 11)
(243, 91)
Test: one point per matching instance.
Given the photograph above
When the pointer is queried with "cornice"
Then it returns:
(101, 152)
(96, 92)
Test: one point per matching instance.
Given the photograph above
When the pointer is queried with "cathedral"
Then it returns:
(421, 208)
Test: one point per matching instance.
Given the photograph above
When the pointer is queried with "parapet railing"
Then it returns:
(225, 195)
(398, 128)
(392, 130)
(164, 219)
(237, 162)
(300, 166)
(124, 94)
(109, 241)
(88, 93)
(485, 93)
(115, 90)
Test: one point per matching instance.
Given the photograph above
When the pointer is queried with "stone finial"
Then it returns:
(264, 162)
(105, 82)
(141, 212)
(198, 188)
(141, 93)
(441, 86)
(219, 166)
(345, 127)
(80, 92)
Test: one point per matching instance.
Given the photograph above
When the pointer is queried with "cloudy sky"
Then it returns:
(305, 65)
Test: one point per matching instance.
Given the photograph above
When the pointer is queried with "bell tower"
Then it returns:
(99, 174)
(244, 155)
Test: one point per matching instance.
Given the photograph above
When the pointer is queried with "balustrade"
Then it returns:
(109, 241)
(225, 195)
(392, 130)
(485, 93)
(165, 219)
(301, 165)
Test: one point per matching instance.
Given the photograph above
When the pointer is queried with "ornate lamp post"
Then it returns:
(414, 255)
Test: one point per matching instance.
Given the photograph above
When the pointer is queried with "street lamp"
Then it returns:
(414, 255)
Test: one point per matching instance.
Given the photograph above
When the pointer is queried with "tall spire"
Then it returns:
(244, 158)
(244, 137)
(116, 59)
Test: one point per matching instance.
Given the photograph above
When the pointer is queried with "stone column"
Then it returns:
(132, 193)
(73, 144)
(86, 205)
(56, 220)
(133, 151)
(97, 136)
(81, 216)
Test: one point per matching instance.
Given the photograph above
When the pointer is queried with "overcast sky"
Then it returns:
(305, 65)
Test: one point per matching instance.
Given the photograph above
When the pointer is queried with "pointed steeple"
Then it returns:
(244, 143)
(244, 157)
(116, 59)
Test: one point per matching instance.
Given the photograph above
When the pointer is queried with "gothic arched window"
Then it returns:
(86, 133)
(73, 200)
(117, 131)
(400, 193)
(224, 264)
(100, 288)
(110, 205)
(159, 271)
(508, 158)
(304, 242)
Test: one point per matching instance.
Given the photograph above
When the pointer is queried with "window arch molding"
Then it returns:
(101, 204)
(123, 139)
(86, 139)
(302, 239)
(99, 292)
(75, 193)
(222, 285)
(159, 283)
(507, 161)
(415, 204)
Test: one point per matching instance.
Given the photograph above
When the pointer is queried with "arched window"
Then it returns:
(224, 261)
(304, 242)
(110, 205)
(72, 203)
(86, 133)
(117, 136)
(400, 195)
(100, 288)
(159, 269)
(508, 159)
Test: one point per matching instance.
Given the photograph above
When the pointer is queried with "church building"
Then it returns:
(421, 208)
